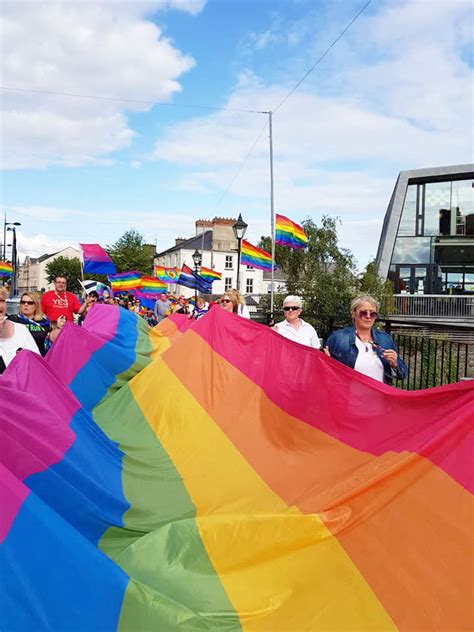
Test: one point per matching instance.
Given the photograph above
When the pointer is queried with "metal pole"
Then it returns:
(195, 287)
(272, 210)
(4, 235)
(14, 261)
(239, 254)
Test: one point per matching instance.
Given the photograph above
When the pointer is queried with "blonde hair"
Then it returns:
(4, 292)
(360, 300)
(38, 315)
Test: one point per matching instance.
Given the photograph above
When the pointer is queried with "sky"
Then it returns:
(394, 93)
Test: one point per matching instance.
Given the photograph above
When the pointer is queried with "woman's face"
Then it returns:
(27, 306)
(226, 304)
(365, 316)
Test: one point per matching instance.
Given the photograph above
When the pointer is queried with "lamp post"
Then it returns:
(12, 226)
(197, 258)
(239, 229)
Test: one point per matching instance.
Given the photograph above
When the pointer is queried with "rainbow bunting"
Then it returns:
(169, 275)
(255, 257)
(209, 275)
(289, 233)
(187, 477)
(6, 269)
(125, 281)
(96, 260)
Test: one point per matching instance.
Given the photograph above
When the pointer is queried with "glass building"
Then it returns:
(427, 241)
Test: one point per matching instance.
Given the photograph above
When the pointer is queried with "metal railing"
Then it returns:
(432, 306)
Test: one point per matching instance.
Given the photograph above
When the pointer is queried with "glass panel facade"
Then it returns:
(412, 250)
(408, 218)
(462, 209)
(437, 208)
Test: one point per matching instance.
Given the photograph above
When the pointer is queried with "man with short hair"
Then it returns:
(162, 307)
(60, 302)
(295, 328)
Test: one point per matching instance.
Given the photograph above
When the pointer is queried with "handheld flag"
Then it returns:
(125, 281)
(96, 260)
(289, 233)
(6, 269)
(255, 257)
(209, 275)
(168, 275)
(95, 286)
(151, 287)
(190, 279)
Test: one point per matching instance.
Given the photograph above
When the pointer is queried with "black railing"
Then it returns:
(432, 361)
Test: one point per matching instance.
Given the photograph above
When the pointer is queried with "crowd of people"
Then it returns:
(39, 322)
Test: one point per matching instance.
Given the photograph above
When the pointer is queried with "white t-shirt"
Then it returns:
(243, 311)
(21, 339)
(305, 334)
(368, 362)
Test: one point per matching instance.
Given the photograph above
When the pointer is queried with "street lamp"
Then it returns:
(197, 258)
(12, 226)
(239, 229)
(5, 224)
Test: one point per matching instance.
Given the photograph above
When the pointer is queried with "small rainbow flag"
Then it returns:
(6, 269)
(125, 281)
(289, 233)
(255, 257)
(169, 275)
(209, 275)
(151, 286)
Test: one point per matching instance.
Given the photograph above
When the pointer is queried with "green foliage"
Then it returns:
(371, 283)
(69, 268)
(130, 252)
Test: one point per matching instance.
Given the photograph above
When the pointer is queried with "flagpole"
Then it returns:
(272, 211)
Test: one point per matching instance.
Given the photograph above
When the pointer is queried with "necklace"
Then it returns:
(368, 343)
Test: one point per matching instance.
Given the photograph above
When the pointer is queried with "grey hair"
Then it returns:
(293, 299)
(360, 300)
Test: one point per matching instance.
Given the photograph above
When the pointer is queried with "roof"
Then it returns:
(199, 242)
(42, 258)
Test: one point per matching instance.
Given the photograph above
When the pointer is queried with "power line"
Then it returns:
(122, 100)
(319, 60)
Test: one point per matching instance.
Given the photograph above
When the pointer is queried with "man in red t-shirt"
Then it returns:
(59, 302)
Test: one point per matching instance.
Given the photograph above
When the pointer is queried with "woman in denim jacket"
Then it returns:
(364, 348)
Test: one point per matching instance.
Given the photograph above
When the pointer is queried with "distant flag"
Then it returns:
(289, 233)
(255, 257)
(209, 275)
(190, 279)
(151, 287)
(125, 281)
(96, 260)
(95, 286)
(169, 275)
(6, 269)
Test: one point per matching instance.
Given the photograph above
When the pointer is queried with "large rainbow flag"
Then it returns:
(255, 257)
(151, 287)
(125, 281)
(169, 275)
(289, 233)
(6, 269)
(217, 476)
(210, 275)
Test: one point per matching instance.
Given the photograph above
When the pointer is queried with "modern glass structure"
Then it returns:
(427, 241)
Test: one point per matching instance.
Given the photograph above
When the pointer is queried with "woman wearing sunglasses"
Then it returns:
(13, 336)
(31, 316)
(294, 327)
(364, 348)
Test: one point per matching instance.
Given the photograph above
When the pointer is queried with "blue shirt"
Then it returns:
(342, 347)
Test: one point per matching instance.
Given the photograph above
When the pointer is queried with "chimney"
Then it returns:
(179, 240)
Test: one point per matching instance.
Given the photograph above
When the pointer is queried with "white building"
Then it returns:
(32, 273)
(216, 241)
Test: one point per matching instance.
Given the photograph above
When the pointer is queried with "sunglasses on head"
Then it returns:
(27, 302)
(365, 313)
(291, 308)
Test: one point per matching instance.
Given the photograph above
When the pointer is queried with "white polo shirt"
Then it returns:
(305, 334)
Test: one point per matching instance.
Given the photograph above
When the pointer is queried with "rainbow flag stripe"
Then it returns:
(209, 275)
(169, 275)
(289, 233)
(151, 287)
(6, 269)
(174, 484)
(125, 281)
(255, 257)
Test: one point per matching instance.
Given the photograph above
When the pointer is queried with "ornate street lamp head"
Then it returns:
(239, 228)
(197, 258)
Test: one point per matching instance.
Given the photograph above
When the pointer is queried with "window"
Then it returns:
(249, 286)
(227, 283)
(412, 250)
(462, 210)
(407, 220)
(229, 262)
(437, 208)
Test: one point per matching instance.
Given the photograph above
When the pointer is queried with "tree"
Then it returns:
(130, 252)
(69, 268)
(371, 283)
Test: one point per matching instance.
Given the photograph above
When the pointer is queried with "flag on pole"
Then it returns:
(255, 257)
(6, 269)
(169, 275)
(96, 260)
(95, 286)
(151, 287)
(289, 233)
(209, 275)
(190, 279)
(125, 281)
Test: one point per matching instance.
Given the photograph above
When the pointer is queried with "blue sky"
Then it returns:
(395, 93)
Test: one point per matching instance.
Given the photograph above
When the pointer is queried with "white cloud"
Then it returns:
(37, 245)
(109, 50)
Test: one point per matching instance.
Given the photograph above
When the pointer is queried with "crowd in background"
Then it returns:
(40, 320)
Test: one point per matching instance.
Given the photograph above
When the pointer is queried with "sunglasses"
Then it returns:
(225, 300)
(365, 313)
(27, 302)
(291, 308)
